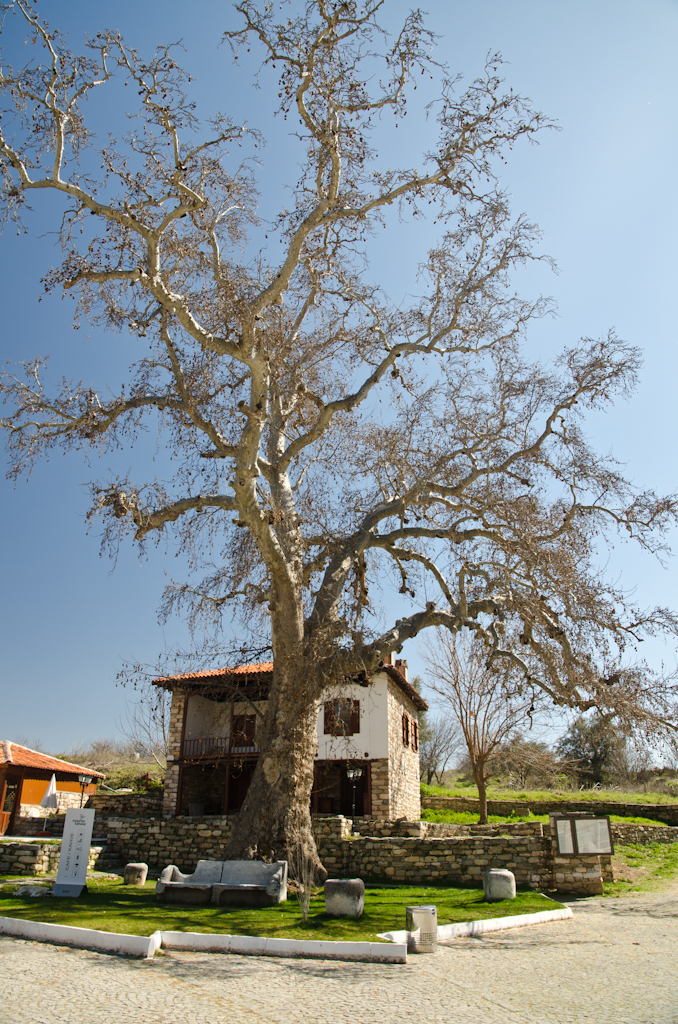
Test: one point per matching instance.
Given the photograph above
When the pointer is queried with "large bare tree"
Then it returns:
(323, 436)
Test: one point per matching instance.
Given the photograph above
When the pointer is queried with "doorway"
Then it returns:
(9, 803)
(333, 790)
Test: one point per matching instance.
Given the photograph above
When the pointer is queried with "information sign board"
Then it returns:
(74, 856)
(593, 835)
(581, 834)
(565, 837)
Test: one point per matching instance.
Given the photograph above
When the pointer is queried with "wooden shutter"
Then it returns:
(355, 718)
(406, 729)
(415, 735)
(244, 727)
(328, 727)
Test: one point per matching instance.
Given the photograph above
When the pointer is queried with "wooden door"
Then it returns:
(239, 778)
(9, 803)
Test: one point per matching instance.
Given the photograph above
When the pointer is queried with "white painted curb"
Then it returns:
(367, 952)
(83, 938)
(372, 952)
(147, 946)
(464, 929)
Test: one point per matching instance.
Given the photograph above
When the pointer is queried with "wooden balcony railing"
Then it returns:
(218, 746)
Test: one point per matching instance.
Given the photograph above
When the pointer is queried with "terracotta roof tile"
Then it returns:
(266, 668)
(398, 678)
(24, 757)
(258, 668)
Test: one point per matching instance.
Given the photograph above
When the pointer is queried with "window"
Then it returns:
(244, 728)
(342, 717)
(406, 729)
(415, 735)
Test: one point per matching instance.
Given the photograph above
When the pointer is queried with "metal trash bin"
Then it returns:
(422, 929)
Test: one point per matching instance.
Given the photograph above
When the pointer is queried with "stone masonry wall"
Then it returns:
(632, 833)
(65, 799)
(36, 858)
(106, 805)
(416, 859)
(448, 861)
(660, 812)
(185, 841)
(176, 724)
(404, 786)
(380, 790)
(129, 805)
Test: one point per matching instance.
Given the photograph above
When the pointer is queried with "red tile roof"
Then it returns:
(263, 668)
(258, 668)
(24, 757)
(407, 688)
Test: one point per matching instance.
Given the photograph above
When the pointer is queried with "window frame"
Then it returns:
(330, 717)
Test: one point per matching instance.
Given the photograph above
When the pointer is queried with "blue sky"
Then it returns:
(602, 189)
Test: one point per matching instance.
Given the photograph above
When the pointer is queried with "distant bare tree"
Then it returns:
(145, 723)
(101, 754)
(439, 740)
(37, 744)
(488, 702)
(523, 762)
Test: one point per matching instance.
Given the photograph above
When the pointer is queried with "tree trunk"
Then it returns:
(480, 780)
(274, 822)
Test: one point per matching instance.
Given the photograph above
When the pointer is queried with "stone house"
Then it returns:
(369, 724)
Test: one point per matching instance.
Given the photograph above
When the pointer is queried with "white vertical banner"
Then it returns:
(74, 856)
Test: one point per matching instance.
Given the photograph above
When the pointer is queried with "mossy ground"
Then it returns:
(462, 787)
(643, 867)
(471, 818)
(114, 907)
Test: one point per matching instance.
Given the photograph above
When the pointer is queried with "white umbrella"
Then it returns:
(49, 800)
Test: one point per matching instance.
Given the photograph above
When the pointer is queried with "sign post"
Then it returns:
(74, 856)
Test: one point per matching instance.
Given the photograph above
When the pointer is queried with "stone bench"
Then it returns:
(225, 883)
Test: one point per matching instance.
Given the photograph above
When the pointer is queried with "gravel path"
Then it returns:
(616, 962)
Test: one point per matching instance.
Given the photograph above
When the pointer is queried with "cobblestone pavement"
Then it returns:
(615, 963)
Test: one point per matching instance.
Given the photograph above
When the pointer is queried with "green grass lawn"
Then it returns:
(471, 818)
(642, 867)
(111, 906)
(468, 789)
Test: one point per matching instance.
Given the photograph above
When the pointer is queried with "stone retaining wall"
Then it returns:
(443, 861)
(419, 859)
(660, 812)
(128, 805)
(399, 851)
(163, 841)
(632, 833)
(442, 830)
(36, 858)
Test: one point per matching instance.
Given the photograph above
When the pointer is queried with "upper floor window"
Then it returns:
(415, 735)
(244, 728)
(342, 717)
(406, 729)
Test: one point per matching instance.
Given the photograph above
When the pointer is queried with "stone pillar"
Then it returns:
(381, 805)
(176, 725)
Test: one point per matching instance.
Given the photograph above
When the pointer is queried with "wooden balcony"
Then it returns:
(218, 746)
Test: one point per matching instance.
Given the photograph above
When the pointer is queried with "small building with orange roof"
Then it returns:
(24, 778)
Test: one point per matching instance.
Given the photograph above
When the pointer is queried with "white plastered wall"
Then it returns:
(206, 718)
(372, 740)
